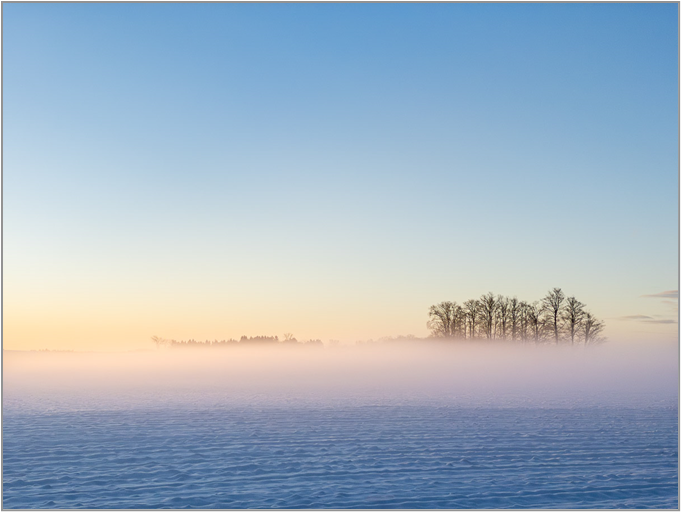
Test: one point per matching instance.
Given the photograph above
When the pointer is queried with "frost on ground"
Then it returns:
(386, 427)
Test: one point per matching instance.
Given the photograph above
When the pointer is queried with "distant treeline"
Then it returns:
(553, 319)
(288, 340)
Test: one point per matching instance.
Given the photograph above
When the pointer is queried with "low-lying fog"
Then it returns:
(465, 374)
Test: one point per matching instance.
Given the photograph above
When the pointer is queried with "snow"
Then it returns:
(343, 432)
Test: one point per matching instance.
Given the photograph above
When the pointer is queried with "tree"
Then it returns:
(442, 318)
(514, 314)
(553, 318)
(533, 313)
(573, 314)
(553, 304)
(472, 310)
(458, 322)
(502, 315)
(488, 307)
(524, 320)
(591, 328)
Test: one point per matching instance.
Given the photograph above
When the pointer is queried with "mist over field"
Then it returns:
(470, 374)
(426, 424)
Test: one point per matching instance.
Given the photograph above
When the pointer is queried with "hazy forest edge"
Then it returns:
(555, 319)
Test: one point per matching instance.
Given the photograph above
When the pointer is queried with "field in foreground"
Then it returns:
(363, 457)
(341, 430)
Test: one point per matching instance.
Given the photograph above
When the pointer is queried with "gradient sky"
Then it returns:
(332, 170)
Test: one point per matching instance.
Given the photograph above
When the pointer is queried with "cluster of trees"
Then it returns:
(243, 341)
(555, 318)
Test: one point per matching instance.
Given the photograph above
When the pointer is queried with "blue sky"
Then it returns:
(212, 170)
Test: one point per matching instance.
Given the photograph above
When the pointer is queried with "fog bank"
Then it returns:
(462, 374)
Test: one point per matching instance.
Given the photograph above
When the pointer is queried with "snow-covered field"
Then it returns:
(341, 430)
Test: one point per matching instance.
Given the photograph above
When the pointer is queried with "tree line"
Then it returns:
(555, 319)
(288, 340)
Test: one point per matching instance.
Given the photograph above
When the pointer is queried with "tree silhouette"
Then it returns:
(497, 317)
(573, 314)
(591, 328)
(472, 311)
(534, 311)
(514, 312)
(502, 316)
(552, 305)
(441, 319)
(488, 307)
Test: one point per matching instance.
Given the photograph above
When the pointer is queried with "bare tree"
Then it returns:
(524, 320)
(472, 309)
(573, 314)
(502, 315)
(553, 318)
(533, 313)
(552, 305)
(459, 322)
(591, 328)
(514, 313)
(488, 307)
(442, 319)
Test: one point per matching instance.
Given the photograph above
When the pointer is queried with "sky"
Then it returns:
(210, 171)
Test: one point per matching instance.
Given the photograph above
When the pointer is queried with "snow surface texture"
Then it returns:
(106, 437)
